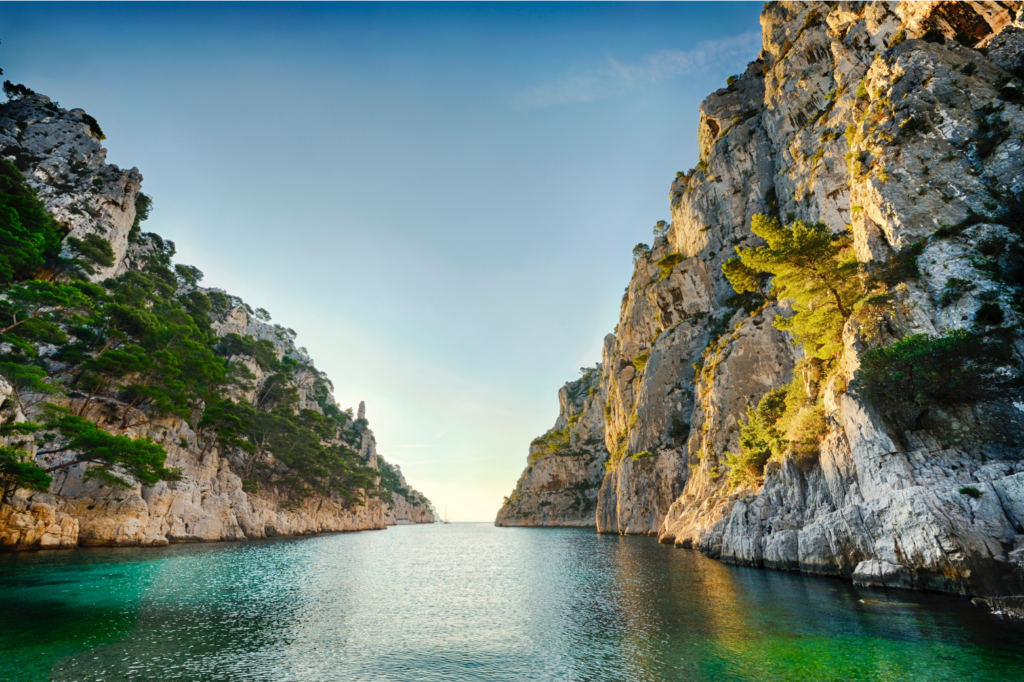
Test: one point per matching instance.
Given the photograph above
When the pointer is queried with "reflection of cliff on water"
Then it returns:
(690, 618)
(791, 627)
(470, 602)
(676, 615)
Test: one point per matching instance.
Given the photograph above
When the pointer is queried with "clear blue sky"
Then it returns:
(440, 199)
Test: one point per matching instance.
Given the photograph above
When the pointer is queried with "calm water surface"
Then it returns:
(471, 602)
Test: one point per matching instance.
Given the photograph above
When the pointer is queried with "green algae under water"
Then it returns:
(471, 602)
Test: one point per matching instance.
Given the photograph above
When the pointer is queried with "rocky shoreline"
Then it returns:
(60, 153)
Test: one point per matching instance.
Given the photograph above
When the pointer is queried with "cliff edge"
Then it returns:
(138, 356)
(857, 413)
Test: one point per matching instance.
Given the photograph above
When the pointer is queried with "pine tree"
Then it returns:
(814, 270)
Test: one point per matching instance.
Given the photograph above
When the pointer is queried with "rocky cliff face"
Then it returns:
(560, 485)
(60, 153)
(898, 123)
(406, 509)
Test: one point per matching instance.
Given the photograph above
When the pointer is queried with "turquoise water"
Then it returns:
(471, 602)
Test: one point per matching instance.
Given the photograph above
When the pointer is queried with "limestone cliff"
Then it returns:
(407, 506)
(899, 124)
(566, 465)
(61, 154)
(216, 496)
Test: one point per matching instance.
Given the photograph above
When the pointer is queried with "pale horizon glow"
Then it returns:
(441, 200)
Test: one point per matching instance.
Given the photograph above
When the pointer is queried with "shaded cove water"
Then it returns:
(471, 602)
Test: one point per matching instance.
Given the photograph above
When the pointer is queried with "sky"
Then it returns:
(441, 199)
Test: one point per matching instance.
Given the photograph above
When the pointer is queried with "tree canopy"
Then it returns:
(29, 235)
(141, 347)
(813, 269)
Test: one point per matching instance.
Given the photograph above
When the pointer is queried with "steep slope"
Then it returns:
(222, 489)
(566, 465)
(898, 128)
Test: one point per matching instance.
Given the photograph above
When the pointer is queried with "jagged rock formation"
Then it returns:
(902, 123)
(60, 153)
(566, 465)
(408, 508)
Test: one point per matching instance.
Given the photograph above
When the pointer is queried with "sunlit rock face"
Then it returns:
(61, 155)
(566, 465)
(817, 128)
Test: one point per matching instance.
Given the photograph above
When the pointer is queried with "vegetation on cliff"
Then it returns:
(92, 363)
(817, 273)
(921, 370)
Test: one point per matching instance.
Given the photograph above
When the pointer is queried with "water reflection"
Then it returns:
(471, 602)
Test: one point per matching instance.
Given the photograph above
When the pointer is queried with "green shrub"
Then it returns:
(94, 127)
(16, 91)
(807, 427)
(678, 430)
(555, 442)
(760, 438)
(19, 470)
(1011, 93)
(990, 314)
(922, 370)
(954, 290)
(641, 251)
(390, 481)
(640, 361)
(971, 491)
(668, 263)
(262, 351)
(143, 206)
(785, 421)
(29, 235)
